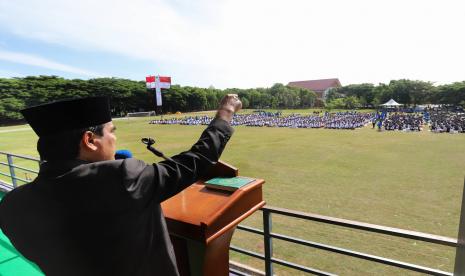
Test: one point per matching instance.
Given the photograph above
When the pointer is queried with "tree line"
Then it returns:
(404, 91)
(132, 96)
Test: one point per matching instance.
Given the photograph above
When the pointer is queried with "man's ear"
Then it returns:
(87, 141)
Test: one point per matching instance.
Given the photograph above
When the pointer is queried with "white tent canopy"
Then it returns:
(391, 102)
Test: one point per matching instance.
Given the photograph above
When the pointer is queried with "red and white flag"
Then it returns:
(150, 81)
(158, 83)
(153, 82)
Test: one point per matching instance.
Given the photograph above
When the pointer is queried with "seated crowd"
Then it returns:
(347, 120)
(449, 122)
(403, 122)
(439, 121)
(341, 120)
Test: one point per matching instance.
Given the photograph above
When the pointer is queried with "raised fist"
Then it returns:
(231, 103)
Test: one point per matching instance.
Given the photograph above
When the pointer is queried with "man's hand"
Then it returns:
(228, 106)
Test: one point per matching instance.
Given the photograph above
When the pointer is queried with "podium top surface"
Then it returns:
(200, 213)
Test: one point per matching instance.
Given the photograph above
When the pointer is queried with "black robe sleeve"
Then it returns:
(162, 180)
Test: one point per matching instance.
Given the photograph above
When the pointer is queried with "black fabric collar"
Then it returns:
(55, 168)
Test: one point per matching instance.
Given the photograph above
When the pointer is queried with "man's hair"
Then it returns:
(64, 145)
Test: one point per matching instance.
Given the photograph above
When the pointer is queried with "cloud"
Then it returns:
(240, 43)
(44, 63)
(9, 74)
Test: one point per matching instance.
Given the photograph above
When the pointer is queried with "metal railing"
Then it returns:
(268, 235)
(14, 169)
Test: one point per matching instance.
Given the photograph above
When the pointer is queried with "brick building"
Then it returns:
(320, 87)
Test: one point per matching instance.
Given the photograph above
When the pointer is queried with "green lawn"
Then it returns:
(408, 180)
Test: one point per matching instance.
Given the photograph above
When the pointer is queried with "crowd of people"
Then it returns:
(402, 122)
(340, 120)
(438, 121)
(347, 120)
(448, 122)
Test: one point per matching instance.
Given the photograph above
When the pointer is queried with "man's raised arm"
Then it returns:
(167, 178)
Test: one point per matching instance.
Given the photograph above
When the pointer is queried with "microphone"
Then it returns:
(150, 141)
(123, 154)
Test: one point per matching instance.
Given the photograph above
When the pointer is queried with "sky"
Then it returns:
(235, 43)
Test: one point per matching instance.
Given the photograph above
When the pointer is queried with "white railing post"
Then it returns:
(12, 170)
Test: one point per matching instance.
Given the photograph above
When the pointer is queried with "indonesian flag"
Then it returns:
(150, 81)
(154, 82)
(158, 83)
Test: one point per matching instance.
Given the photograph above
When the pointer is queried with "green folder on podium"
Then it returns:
(228, 183)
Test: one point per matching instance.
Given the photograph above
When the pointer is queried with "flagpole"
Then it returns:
(155, 84)
(159, 105)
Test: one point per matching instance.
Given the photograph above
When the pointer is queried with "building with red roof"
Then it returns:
(320, 87)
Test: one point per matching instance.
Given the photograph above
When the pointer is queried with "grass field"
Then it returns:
(408, 180)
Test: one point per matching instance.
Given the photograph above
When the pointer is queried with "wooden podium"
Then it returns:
(201, 222)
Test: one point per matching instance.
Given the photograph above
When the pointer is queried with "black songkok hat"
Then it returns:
(66, 115)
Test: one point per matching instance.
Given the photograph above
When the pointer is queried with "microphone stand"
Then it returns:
(150, 141)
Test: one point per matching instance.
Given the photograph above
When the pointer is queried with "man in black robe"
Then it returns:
(88, 214)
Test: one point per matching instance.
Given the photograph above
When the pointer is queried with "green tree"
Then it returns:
(333, 94)
(363, 92)
(131, 96)
(196, 99)
(453, 94)
(338, 103)
(307, 98)
(9, 109)
(351, 102)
